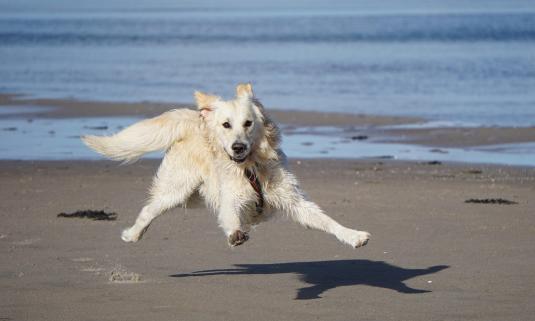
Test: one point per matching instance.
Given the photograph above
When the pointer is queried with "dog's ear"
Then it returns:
(270, 138)
(205, 102)
(244, 91)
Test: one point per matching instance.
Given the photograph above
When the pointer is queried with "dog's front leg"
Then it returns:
(286, 196)
(230, 222)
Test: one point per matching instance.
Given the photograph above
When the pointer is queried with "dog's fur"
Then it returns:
(210, 151)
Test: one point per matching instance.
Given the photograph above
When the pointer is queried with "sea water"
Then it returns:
(457, 61)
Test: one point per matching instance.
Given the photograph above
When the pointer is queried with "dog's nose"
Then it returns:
(238, 148)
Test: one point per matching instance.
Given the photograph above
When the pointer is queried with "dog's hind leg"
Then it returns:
(149, 212)
(286, 196)
(172, 186)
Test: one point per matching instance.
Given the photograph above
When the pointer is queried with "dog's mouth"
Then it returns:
(239, 159)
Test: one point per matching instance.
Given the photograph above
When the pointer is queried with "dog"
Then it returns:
(229, 153)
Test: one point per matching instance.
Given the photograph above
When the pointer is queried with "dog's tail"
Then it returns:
(146, 136)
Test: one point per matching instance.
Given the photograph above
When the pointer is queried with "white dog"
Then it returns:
(229, 153)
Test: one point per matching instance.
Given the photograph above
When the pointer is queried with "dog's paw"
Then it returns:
(360, 238)
(128, 235)
(355, 238)
(237, 238)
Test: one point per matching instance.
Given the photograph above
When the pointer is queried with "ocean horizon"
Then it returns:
(466, 63)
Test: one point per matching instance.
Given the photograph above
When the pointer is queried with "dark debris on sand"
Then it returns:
(90, 214)
(499, 201)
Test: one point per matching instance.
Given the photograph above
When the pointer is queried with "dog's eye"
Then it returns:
(247, 123)
(226, 124)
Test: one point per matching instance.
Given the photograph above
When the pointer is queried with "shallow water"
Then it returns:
(470, 62)
(54, 139)
(57, 139)
(332, 146)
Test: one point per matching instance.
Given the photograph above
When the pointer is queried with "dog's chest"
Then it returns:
(247, 191)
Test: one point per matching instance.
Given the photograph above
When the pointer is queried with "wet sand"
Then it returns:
(68, 108)
(464, 137)
(367, 125)
(431, 257)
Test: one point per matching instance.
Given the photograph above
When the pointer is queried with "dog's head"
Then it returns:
(238, 126)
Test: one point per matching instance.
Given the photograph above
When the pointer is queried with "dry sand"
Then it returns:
(432, 256)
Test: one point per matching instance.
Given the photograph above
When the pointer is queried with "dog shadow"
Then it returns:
(322, 276)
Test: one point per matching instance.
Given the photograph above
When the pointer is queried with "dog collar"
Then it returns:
(255, 184)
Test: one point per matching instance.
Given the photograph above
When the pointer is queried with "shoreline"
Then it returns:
(386, 128)
(51, 126)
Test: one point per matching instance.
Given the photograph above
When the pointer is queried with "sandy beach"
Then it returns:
(432, 256)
